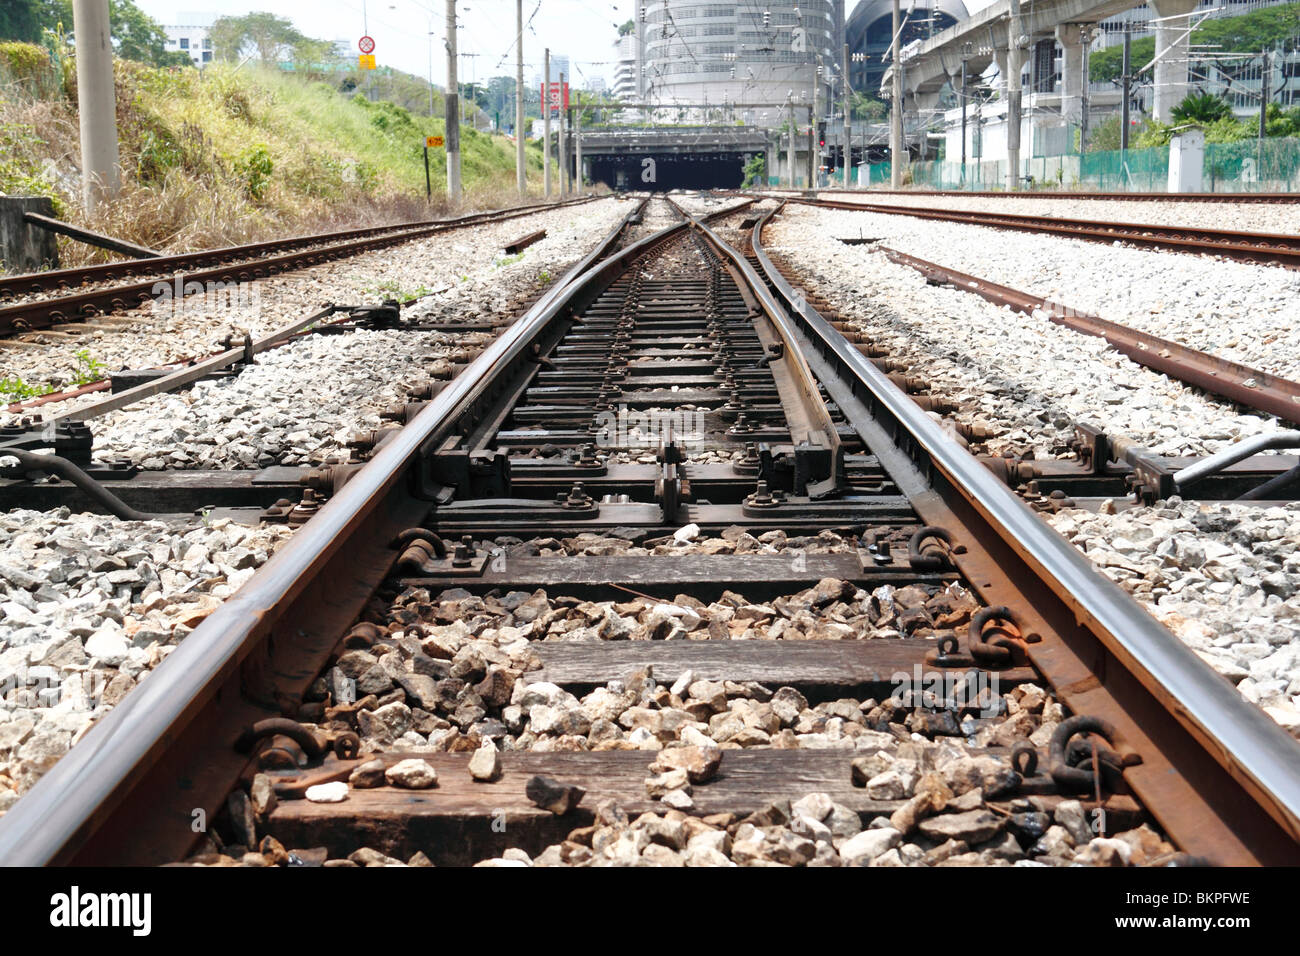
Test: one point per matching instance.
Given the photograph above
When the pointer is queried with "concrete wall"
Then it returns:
(26, 248)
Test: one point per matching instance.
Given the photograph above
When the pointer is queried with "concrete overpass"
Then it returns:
(669, 157)
(1003, 32)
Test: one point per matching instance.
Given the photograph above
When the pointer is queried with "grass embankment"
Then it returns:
(228, 156)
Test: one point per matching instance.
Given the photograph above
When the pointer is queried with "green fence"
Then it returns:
(1269, 165)
(1132, 170)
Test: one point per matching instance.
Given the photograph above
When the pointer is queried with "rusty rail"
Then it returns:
(1260, 247)
(260, 648)
(1240, 383)
(238, 263)
(1221, 777)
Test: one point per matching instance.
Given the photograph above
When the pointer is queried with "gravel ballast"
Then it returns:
(89, 605)
(1024, 377)
(1238, 311)
(448, 676)
(1225, 578)
(467, 270)
(1243, 217)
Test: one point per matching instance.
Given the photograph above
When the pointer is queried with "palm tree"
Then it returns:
(1200, 109)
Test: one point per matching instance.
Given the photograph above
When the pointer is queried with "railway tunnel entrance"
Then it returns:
(661, 172)
(662, 158)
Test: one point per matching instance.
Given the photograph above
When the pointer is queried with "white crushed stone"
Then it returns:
(1223, 577)
(1023, 376)
(472, 278)
(1245, 217)
(1242, 312)
(89, 605)
(298, 405)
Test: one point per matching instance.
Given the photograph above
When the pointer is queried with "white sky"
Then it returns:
(583, 29)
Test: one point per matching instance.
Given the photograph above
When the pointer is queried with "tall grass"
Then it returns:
(235, 155)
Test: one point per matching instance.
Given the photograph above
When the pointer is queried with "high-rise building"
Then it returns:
(627, 67)
(870, 27)
(706, 57)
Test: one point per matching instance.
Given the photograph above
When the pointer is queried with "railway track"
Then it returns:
(1280, 249)
(619, 467)
(59, 299)
(1252, 198)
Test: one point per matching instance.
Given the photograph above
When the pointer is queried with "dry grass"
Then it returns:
(184, 137)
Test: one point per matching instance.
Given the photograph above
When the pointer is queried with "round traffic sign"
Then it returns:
(366, 45)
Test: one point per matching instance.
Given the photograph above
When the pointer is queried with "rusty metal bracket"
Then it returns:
(948, 653)
(1024, 761)
(313, 744)
(930, 548)
(1073, 756)
(994, 638)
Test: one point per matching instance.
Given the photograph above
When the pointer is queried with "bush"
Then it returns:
(254, 167)
(28, 65)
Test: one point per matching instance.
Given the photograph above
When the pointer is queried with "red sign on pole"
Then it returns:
(366, 45)
(558, 97)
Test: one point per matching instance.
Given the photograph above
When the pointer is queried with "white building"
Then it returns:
(191, 37)
(627, 67)
(714, 59)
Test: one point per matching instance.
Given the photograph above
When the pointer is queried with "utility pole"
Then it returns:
(848, 141)
(577, 152)
(1086, 42)
(814, 151)
(896, 145)
(962, 97)
(96, 101)
(1127, 81)
(1013, 97)
(563, 143)
(1263, 101)
(546, 123)
(790, 148)
(452, 110)
(521, 178)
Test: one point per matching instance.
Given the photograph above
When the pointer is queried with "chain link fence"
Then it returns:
(1267, 165)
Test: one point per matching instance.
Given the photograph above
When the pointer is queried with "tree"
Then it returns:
(1249, 33)
(137, 36)
(269, 36)
(1201, 109)
(18, 21)
(755, 171)
(864, 106)
(627, 28)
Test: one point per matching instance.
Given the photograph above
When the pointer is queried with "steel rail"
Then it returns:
(76, 306)
(1239, 737)
(815, 426)
(1262, 198)
(1247, 386)
(90, 787)
(38, 282)
(1260, 247)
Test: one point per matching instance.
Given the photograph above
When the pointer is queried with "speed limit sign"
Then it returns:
(366, 45)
